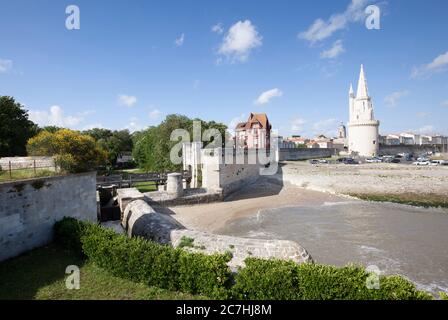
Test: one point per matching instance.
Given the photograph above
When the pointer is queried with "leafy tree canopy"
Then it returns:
(15, 128)
(152, 146)
(74, 152)
(115, 142)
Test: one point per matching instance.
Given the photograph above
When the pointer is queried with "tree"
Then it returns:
(114, 142)
(74, 152)
(15, 128)
(152, 147)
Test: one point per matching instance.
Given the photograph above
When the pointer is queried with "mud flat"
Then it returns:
(401, 182)
(265, 194)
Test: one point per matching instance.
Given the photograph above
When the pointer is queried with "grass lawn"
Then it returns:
(40, 274)
(145, 186)
(25, 174)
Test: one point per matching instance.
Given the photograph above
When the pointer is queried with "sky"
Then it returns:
(131, 63)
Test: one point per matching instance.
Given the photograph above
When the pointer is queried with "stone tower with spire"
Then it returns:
(362, 127)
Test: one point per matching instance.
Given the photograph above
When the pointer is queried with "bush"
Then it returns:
(275, 279)
(144, 261)
(170, 268)
(73, 152)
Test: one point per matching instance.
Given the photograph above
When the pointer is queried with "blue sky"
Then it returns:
(133, 62)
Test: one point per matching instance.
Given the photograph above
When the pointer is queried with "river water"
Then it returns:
(398, 239)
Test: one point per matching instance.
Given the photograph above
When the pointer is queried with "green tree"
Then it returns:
(152, 147)
(15, 128)
(74, 152)
(114, 142)
(51, 129)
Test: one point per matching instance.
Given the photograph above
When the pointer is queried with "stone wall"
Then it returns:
(225, 171)
(140, 219)
(413, 149)
(29, 208)
(294, 154)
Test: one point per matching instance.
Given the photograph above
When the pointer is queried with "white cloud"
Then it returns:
(428, 129)
(266, 96)
(180, 41)
(439, 64)
(297, 124)
(55, 117)
(321, 29)
(328, 127)
(444, 103)
(238, 42)
(334, 51)
(217, 28)
(5, 65)
(155, 114)
(134, 125)
(393, 98)
(127, 101)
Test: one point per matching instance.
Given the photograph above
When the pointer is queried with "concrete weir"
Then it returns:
(140, 219)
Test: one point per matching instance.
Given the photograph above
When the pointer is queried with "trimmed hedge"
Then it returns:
(171, 268)
(276, 279)
(144, 261)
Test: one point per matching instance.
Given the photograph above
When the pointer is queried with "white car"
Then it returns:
(373, 160)
(421, 163)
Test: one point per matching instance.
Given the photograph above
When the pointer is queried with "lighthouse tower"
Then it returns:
(362, 127)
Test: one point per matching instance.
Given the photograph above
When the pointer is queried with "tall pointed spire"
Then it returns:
(351, 92)
(362, 85)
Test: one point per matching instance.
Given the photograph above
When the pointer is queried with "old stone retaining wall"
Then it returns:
(294, 154)
(226, 171)
(140, 219)
(29, 208)
(412, 149)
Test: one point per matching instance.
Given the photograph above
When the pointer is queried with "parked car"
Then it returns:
(342, 160)
(388, 159)
(350, 161)
(323, 161)
(314, 161)
(373, 160)
(421, 163)
(395, 160)
(437, 162)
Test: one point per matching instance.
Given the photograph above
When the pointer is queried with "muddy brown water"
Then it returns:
(398, 239)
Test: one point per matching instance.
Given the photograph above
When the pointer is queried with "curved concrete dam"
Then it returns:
(398, 239)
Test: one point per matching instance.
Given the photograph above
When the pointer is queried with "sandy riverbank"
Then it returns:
(299, 183)
(266, 194)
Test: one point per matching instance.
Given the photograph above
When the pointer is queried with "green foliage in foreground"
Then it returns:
(40, 274)
(418, 200)
(147, 262)
(170, 268)
(273, 279)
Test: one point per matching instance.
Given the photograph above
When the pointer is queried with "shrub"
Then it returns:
(73, 151)
(144, 261)
(275, 279)
(266, 280)
(170, 268)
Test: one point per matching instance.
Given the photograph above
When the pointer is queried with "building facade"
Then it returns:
(362, 127)
(255, 133)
